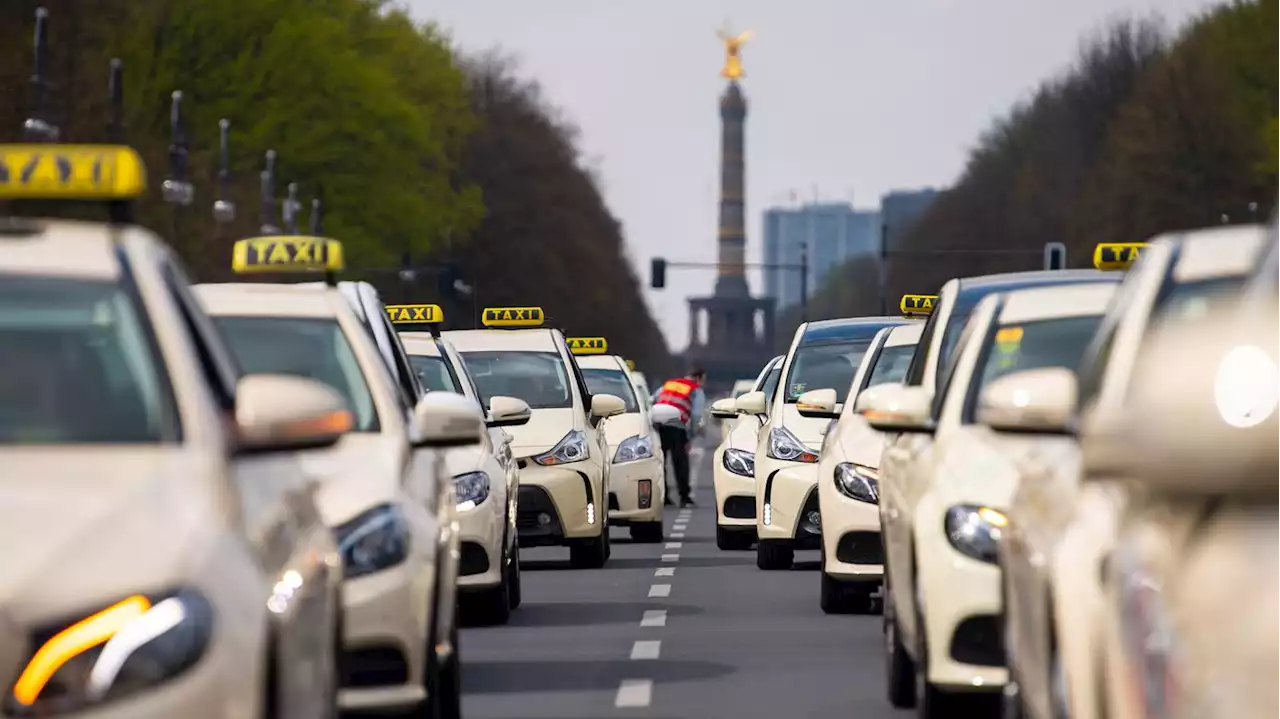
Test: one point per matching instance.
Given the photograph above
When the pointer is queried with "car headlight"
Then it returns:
(857, 482)
(1147, 633)
(133, 644)
(785, 446)
(975, 531)
(471, 489)
(740, 462)
(377, 539)
(571, 448)
(633, 448)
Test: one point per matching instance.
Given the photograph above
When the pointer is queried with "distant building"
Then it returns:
(900, 209)
(834, 233)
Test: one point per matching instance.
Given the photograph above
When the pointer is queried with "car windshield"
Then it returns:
(434, 373)
(315, 348)
(1033, 345)
(79, 366)
(538, 378)
(824, 366)
(1189, 301)
(611, 381)
(891, 365)
(955, 325)
(770, 383)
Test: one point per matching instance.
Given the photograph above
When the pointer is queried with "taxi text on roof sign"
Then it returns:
(286, 253)
(631, 364)
(512, 317)
(415, 314)
(917, 305)
(71, 172)
(587, 345)
(1116, 255)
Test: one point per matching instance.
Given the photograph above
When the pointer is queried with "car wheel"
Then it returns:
(733, 541)
(900, 670)
(513, 593)
(590, 553)
(1058, 685)
(774, 554)
(646, 532)
(1011, 702)
(837, 597)
(492, 606)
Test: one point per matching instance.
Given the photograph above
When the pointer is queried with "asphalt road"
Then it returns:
(679, 629)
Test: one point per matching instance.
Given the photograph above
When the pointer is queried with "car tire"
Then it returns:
(590, 553)
(774, 554)
(931, 701)
(513, 593)
(900, 669)
(444, 683)
(730, 540)
(837, 597)
(1011, 702)
(646, 532)
(492, 606)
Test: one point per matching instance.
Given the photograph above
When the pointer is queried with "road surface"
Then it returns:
(679, 629)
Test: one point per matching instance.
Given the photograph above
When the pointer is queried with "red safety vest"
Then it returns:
(679, 394)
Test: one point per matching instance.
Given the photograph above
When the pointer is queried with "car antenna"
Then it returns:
(36, 127)
(268, 209)
(224, 210)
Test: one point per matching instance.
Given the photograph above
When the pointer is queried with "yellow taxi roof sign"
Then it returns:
(512, 317)
(631, 364)
(71, 172)
(415, 314)
(286, 253)
(917, 305)
(587, 345)
(1116, 255)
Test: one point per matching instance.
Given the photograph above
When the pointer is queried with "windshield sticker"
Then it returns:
(1008, 346)
(797, 389)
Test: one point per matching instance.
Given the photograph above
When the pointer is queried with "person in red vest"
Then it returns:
(685, 394)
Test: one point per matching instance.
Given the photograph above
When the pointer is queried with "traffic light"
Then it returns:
(658, 273)
(1055, 256)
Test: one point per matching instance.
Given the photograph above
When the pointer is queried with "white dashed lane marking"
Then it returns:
(670, 557)
(674, 545)
(646, 649)
(660, 590)
(665, 572)
(654, 618)
(634, 693)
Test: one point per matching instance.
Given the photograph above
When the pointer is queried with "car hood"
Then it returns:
(544, 428)
(744, 435)
(621, 427)
(460, 460)
(858, 442)
(806, 429)
(80, 524)
(363, 470)
(984, 467)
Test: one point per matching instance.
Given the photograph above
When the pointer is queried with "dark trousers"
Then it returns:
(675, 444)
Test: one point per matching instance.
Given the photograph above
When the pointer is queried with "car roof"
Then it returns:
(419, 343)
(532, 339)
(1054, 302)
(850, 328)
(1216, 251)
(58, 248)
(599, 362)
(245, 299)
(967, 287)
(908, 334)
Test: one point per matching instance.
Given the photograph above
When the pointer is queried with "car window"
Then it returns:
(770, 384)
(915, 372)
(1030, 345)
(538, 378)
(890, 365)
(313, 348)
(611, 381)
(80, 366)
(824, 366)
(947, 373)
(434, 373)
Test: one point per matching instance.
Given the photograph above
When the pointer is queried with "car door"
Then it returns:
(281, 524)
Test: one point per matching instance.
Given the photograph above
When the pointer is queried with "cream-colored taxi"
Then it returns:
(733, 468)
(486, 479)
(562, 451)
(740, 387)
(383, 491)
(164, 556)
(823, 355)
(1190, 589)
(944, 513)
(637, 488)
(1060, 527)
(848, 477)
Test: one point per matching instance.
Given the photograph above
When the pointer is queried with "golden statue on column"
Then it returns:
(732, 48)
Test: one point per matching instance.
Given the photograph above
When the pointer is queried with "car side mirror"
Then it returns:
(896, 408)
(752, 403)
(606, 405)
(281, 412)
(445, 419)
(1038, 400)
(724, 408)
(508, 412)
(818, 404)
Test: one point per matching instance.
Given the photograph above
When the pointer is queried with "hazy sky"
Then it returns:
(848, 98)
